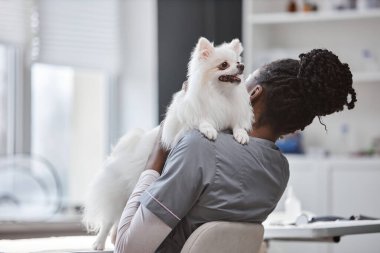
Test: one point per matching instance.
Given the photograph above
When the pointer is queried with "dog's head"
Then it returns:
(220, 65)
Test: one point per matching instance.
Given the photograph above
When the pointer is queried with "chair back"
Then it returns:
(225, 237)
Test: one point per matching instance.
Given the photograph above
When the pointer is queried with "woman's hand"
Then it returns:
(185, 85)
(157, 157)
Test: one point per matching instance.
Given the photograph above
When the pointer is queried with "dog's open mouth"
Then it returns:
(230, 78)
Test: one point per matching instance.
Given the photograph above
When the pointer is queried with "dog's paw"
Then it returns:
(98, 245)
(209, 132)
(241, 136)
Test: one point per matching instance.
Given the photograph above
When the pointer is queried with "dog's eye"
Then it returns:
(224, 65)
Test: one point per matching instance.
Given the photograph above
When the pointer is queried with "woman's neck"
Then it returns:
(264, 132)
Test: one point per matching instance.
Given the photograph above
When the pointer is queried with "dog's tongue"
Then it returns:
(235, 79)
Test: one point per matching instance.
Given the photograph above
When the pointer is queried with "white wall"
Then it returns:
(139, 91)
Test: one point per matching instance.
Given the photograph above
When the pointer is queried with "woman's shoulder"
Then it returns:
(194, 147)
(194, 139)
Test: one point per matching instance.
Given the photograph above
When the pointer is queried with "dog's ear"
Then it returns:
(204, 48)
(236, 46)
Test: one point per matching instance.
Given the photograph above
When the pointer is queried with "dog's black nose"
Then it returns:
(240, 67)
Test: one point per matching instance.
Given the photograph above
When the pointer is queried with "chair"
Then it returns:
(225, 237)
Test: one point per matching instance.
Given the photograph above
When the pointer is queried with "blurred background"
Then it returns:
(75, 75)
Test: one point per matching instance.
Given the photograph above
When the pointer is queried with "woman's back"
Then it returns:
(222, 180)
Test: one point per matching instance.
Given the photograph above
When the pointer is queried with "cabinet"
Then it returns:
(335, 186)
(270, 33)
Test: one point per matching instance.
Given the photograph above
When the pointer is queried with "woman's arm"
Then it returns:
(139, 229)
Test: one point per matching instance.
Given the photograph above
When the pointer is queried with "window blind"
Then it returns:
(14, 21)
(79, 33)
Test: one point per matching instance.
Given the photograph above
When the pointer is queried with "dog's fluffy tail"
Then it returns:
(107, 187)
(127, 142)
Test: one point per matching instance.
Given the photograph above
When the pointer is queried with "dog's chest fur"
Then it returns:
(223, 108)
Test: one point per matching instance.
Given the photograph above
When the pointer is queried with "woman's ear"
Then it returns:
(255, 93)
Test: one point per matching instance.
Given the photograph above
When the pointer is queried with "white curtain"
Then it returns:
(79, 33)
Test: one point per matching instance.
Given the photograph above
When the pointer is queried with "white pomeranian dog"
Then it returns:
(213, 99)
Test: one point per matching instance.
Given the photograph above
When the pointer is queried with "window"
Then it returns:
(7, 99)
(69, 82)
(3, 101)
(56, 110)
(70, 123)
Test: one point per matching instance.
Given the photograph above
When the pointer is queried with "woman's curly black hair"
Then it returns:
(297, 91)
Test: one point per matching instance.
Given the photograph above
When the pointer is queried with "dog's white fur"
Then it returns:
(207, 104)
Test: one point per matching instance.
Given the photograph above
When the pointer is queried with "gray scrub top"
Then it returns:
(207, 180)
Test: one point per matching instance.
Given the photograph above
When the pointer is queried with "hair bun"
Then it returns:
(327, 82)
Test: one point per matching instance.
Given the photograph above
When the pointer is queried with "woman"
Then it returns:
(205, 181)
